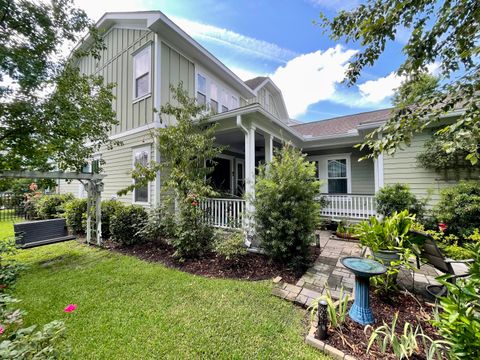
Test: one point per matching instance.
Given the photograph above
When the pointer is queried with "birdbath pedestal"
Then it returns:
(363, 269)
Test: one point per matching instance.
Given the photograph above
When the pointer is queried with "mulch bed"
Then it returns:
(249, 267)
(410, 309)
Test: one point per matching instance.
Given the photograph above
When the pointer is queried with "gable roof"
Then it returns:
(255, 82)
(342, 124)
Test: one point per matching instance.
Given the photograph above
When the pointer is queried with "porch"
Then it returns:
(347, 184)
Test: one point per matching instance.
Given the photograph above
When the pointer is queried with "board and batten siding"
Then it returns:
(362, 172)
(403, 168)
(174, 68)
(116, 66)
(117, 168)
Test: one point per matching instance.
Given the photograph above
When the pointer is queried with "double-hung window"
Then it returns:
(141, 157)
(213, 98)
(225, 100)
(142, 67)
(201, 90)
(337, 176)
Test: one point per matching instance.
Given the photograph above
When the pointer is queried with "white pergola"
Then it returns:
(93, 185)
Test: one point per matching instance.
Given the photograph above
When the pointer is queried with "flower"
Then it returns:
(70, 308)
(33, 186)
(442, 226)
(194, 203)
(2, 329)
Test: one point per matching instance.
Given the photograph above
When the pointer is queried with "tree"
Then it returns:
(412, 91)
(187, 148)
(447, 32)
(49, 110)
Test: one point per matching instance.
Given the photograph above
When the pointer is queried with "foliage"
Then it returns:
(186, 145)
(336, 310)
(160, 224)
(452, 164)
(456, 252)
(18, 342)
(52, 206)
(405, 345)
(75, 212)
(445, 33)
(459, 208)
(76, 215)
(49, 111)
(409, 92)
(230, 245)
(9, 268)
(22, 186)
(109, 208)
(388, 234)
(458, 321)
(126, 224)
(193, 236)
(396, 198)
(286, 209)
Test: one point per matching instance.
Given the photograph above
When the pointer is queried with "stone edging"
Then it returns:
(322, 346)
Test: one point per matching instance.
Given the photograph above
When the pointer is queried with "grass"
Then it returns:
(131, 309)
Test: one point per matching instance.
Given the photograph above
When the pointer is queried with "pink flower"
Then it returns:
(70, 308)
(442, 226)
(2, 329)
(195, 203)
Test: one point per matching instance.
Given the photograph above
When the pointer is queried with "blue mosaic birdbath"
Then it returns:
(363, 269)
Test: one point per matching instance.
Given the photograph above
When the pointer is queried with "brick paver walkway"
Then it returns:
(328, 271)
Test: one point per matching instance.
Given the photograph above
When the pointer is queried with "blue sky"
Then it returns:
(276, 38)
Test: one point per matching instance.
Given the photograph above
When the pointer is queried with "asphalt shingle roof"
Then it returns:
(342, 124)
(253, 83)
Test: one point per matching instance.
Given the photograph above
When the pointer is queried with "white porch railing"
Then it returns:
(224, 213)
(348, 206)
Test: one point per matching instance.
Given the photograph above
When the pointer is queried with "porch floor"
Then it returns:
(328, 271)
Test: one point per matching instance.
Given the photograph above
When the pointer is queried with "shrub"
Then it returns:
(109, 209)
(18, 342)
(287, 211)
(9, 267)
(193, 236)
(396, 198)
(126, 223)
(459, 208)
(160, 224)
(230, 245)
(52, 206)
(459, 321)
(75, 212)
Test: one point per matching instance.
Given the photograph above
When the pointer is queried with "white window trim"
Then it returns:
(231, 171)
(148, 149)
(323, 169)
(149, 92)
(221, 89)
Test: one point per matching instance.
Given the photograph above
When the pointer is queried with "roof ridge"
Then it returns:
(343, 116)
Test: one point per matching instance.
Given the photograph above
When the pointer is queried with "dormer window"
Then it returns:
(142, 65)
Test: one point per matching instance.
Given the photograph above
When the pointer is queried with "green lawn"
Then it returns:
(131, 309)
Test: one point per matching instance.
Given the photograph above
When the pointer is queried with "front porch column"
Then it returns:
(268, 148)
(249, 131)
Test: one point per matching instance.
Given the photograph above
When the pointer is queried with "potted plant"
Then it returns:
(386, 238)
(345, 231)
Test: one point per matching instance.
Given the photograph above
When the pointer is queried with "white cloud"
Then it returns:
(245, 44)
(375, 91)
(310, 78)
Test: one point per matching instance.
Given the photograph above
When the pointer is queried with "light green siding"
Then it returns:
(117, 168)
(268, 101)
(175, 68)
(402, 168)
(116, 66)
(362, 172)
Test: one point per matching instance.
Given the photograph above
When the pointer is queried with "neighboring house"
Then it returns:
(146, 52)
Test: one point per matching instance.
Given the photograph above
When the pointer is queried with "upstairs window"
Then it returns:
(142, 65)
(141, 156)
(234, 102)
(201, 90)
(213, 98)
(225, 101)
